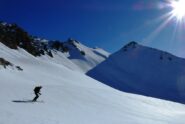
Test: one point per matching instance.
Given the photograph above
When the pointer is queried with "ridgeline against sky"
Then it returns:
(105, 23)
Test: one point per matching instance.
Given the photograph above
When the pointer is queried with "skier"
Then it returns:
(37, 93)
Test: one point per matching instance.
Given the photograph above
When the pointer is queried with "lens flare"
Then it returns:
(178, 9)
(174, 14)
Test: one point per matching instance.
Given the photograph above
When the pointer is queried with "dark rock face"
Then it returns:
(82, 53)
(5, 63)
(59, 46)
(13, 36)
(19, 68)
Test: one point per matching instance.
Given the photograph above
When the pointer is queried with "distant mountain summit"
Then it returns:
(143, 70)
(71, 53)
(86, 58)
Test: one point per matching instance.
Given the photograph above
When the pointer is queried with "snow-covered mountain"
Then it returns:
(86, 58)
(80, 57)
(70, 97)
(143, 70)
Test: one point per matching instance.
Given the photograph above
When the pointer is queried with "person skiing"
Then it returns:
(37, 93)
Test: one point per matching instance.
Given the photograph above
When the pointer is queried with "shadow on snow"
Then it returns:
(22, 101)
(26, 101)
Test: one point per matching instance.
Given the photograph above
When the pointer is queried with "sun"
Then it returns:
(178, 9)
(172, 15)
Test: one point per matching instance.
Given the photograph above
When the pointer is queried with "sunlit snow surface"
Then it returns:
(70, 97)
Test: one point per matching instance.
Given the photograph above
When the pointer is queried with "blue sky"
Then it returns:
(108, 24)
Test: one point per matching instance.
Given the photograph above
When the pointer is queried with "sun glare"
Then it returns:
(174, 15)
(178, 9)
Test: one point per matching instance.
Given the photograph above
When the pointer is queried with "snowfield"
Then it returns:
(143, 70)
(71, 97)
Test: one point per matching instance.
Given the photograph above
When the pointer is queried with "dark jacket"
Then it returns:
(37, 89)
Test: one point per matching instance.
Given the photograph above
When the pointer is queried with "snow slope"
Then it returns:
(70, 97)
(146, 71)
(91, 57)
(80, 57)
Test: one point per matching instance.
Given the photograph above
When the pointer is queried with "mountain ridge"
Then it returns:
(70, 97)
(80, 55)
(145, 71)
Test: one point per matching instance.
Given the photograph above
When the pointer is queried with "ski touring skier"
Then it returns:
(37, 93)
